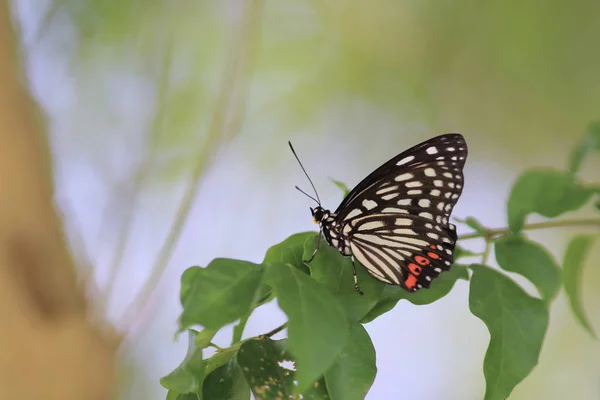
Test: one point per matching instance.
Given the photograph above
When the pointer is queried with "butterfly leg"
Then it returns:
(314, 252)
(355, 278)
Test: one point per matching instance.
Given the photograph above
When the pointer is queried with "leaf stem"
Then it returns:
(276, 330)
(491, 233)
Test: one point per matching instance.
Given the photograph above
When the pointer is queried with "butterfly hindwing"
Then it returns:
(402, 249)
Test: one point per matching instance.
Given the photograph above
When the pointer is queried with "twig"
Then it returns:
(492, 233)
(275, 331)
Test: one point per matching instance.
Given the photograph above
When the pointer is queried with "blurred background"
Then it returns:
(169, 120)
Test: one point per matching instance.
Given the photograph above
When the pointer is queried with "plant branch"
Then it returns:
(275, 331)
(491, 233)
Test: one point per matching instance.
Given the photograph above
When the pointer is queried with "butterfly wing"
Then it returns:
(433, 165)
(397, 218)
(404, 249)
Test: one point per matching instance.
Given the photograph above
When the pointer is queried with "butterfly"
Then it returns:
(395, 222)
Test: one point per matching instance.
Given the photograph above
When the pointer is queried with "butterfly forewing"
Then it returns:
(396, 220)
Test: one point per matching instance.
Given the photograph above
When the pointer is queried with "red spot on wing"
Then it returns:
(433, 255)
(421, 260)
(432, 246)
(415, 269)
(410, 282)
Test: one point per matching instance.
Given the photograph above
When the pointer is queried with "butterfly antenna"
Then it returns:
(318, 200)
(307, 195)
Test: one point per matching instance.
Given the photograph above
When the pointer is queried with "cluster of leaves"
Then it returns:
(328, 354)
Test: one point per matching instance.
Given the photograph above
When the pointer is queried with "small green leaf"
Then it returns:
(174, 395)
(460, 252)
(187, 279)
(317, 328)
(220, 293)
(589, 142)
(220, 358)
(290, 251)
(341, 185)
(440, 287)
(204, 337)
(475, 225)
(572, 272)
(187, 377)
(517, 323)
(353, 373)
(334, 271)
(515, 253)
(226, 383)
(547, 192)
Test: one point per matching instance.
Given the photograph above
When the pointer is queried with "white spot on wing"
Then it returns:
(432, 150)
(405, 232)
(438, 183)
(414, 191)
(404, 177)
(403, 222)
(435, 192)
(433, 235)
(414, 184)
(426, 215)
(394, 210)
(389, 196)
(429, 171)
(404, 202)
(424, 203)
(371, 225)
(387, 189)
(354, 213)
(369, 204)
(405, 160)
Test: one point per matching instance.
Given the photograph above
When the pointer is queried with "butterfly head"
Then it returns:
(319, 214)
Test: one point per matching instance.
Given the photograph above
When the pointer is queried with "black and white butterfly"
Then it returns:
(396, 221)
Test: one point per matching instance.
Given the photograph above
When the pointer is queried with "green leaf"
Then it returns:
(204, 337)
(589, 142)
(270, 370)
(353, 373)
(290, 251)
(187, 377)
(575, 255)
(341, 185)
(475, 225)
(317, 328)
(460, 252)
(517, 324)
(226, 383)
(220, 293)
(267, 368)
(187, 278)
(334, 271)
(440, 287)
(174, 395)
(514, 253)
(547, 192)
